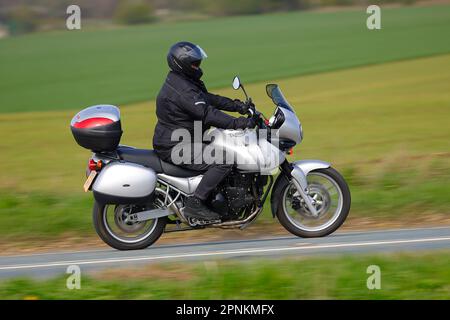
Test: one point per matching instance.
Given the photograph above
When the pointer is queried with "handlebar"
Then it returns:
(252, 112)
(257, 116)
(260, 120)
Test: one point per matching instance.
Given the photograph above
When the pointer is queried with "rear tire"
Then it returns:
(294, 228)
(102, 231)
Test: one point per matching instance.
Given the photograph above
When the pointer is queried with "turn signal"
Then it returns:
(291, 151)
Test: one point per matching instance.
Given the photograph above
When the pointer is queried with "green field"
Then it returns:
(419, 276)
(70, 70)
(383, 125)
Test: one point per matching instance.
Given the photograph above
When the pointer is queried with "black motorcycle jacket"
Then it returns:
(183, 100)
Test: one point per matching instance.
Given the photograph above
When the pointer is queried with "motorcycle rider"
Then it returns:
(184, 99)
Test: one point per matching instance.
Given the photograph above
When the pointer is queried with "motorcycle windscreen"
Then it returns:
(274, 92)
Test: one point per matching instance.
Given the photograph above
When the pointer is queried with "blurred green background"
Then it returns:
(376, 104)
(70, 69)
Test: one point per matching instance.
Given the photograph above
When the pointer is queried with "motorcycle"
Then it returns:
(138, 196)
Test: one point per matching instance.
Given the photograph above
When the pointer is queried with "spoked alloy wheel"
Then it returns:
(117, 227)
(120, 225)
(330, 196)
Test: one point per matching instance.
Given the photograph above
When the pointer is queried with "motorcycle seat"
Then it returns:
(150, 159)
(177, 171)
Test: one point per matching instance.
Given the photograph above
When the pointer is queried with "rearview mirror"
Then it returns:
(236, 83)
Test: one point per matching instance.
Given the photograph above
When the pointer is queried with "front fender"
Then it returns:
(309, 165)
(300, 169)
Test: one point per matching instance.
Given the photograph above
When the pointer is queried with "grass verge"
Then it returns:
(403, 276)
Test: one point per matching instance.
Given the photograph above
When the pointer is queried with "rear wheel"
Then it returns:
(331, 198)
(114, 226)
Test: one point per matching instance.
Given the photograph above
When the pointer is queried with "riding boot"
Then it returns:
(195, 208)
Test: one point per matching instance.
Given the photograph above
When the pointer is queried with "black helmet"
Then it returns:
(186, 57)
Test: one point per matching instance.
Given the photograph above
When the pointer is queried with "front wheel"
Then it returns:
(331, 198)
(118, 231)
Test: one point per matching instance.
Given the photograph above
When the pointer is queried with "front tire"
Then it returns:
(121, 242)
(333, 200)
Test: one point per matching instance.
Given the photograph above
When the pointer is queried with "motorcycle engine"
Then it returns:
(234, 195)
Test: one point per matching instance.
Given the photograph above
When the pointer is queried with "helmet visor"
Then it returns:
(202, 52)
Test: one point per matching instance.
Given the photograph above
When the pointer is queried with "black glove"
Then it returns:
(251, 123)
(241, 107)
(241, 123)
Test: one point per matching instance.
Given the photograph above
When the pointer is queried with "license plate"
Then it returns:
(90, 179)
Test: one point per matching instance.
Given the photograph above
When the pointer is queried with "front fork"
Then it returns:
(298, 178)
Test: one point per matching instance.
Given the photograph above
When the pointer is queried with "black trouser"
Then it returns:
(213, 173)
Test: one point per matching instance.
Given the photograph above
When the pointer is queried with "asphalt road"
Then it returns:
(51, 264)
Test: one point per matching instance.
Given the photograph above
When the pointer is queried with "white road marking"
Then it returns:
(218, 253)
(161, 246)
